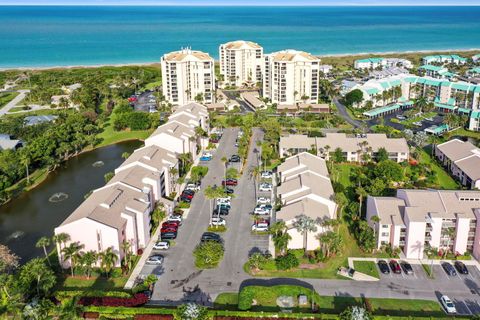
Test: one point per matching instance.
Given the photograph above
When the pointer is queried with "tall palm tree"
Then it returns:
(304, 225)
(361, 193)
(88, 260)
(44, 242)
(25, 161)
(108, 260)
(280, 236)
(61, 240)
(71, 253)
(127, 252)
(450, 233)
(375, 220)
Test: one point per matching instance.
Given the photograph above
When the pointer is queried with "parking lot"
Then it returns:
(179, 280)
(462, 289)
(437, 120)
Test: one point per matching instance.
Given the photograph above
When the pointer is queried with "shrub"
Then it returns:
(153, 317)
(287, 261)
(64, 295)
(245, 299)
(208, 254)
(191, 311)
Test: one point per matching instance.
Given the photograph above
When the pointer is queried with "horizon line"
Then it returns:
(230, 5)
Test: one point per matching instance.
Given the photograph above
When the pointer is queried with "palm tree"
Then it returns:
(108, 259)
(61, 239)
(213, 193)
(304, 225)
(280, 236)
(375, 220)
(44, 242)
(185, 159)
(71, 253)
(361, 192)
(88, 260)
(127, 252)
(25, 161)
(125, 155)
(225, 163)
(421, 103)
(450, 233)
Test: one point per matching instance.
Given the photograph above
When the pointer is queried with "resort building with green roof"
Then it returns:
(444, 59)
(435, 72)
(374, 63)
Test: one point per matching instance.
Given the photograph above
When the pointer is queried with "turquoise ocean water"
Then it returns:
(56, 35)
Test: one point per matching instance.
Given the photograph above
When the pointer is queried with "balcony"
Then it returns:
(401, 243)
(428, 238)
(428, 229)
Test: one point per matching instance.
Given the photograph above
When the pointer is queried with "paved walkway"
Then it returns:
(15, 101)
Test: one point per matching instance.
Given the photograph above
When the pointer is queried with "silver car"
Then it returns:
(155, 259)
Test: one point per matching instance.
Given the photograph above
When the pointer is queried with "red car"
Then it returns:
(186, 195)
(168, 229)
(395, 266)
(229, 182)
(173, 224)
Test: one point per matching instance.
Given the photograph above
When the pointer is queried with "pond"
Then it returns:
(36, 213)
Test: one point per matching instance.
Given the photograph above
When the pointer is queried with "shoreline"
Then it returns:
(152, 63)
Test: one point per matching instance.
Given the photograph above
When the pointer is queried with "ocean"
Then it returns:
(40, 36)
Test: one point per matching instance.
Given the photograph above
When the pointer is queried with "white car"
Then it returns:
(175, 218)
(448, 304)
(267, 174)
(265, 187)
(193, 187)
(261, 210)
(155, 259)
(224, 201)
(217, 221)
(161, 245)
(260, 227)
(263, 200)
(207, 154)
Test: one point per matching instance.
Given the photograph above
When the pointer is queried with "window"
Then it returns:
(384, 226)
(384, 234)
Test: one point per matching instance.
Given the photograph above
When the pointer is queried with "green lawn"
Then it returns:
(226, 301)
(366, 267)
(110, 136)
(6, 97)
(266, 297)
(152, 85)
(94, 283)
(444, 180)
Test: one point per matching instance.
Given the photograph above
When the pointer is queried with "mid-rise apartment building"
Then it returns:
(462, 160)
(444, 59)
(305, 189)
(374, 63)
(241, 62)
(353, 147)
(291, 77)
(188, 76)
(415, 220)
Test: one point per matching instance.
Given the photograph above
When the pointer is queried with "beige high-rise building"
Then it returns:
(188, 76)
(290, 77)
(241, 62)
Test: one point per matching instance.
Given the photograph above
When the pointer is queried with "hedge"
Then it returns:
(138, 299)
(68, 294)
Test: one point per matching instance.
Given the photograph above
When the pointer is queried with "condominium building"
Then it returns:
(305, 189)
(374, 63)
(291, 76)
(353, 147)
(415, 220)
(444, 59)
(462, 160)
(436, 71)
(121, 210)
(188, 76)
(241, 62)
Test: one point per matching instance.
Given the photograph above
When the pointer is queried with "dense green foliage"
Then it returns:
(208, 254)
(287, 261)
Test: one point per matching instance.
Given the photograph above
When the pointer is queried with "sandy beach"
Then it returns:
(339, 55)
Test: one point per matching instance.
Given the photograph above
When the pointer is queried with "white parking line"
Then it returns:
(470, 311)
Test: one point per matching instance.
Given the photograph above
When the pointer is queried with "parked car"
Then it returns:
(448, 304)
(228, 190)
(188, 192)
(221, 210)
(161, 245)
(229, 182)
(265, 187)
(175, 218)
(222, 202)
(155, 259)
(430, 119)
(186, 199)
(210, 236)
(449, 269)
(168, 236)
(192, 186)
(383, 266)
(461, 267)
(173, 224)
(267, 174)
(407, 267)
(168, 229)
(206, 156)
(217, 221)
(260, 227)
(235, 158)
(262, 209)
(401, 117)
(263, 200)
(395, 267)
(418, 123)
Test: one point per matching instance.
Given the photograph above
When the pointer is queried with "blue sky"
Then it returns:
(242, 2)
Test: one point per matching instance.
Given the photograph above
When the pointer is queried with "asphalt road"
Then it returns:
(342, 111)
(437, 120)
(179, 280)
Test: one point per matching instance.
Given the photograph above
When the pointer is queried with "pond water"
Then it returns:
(36, 213)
